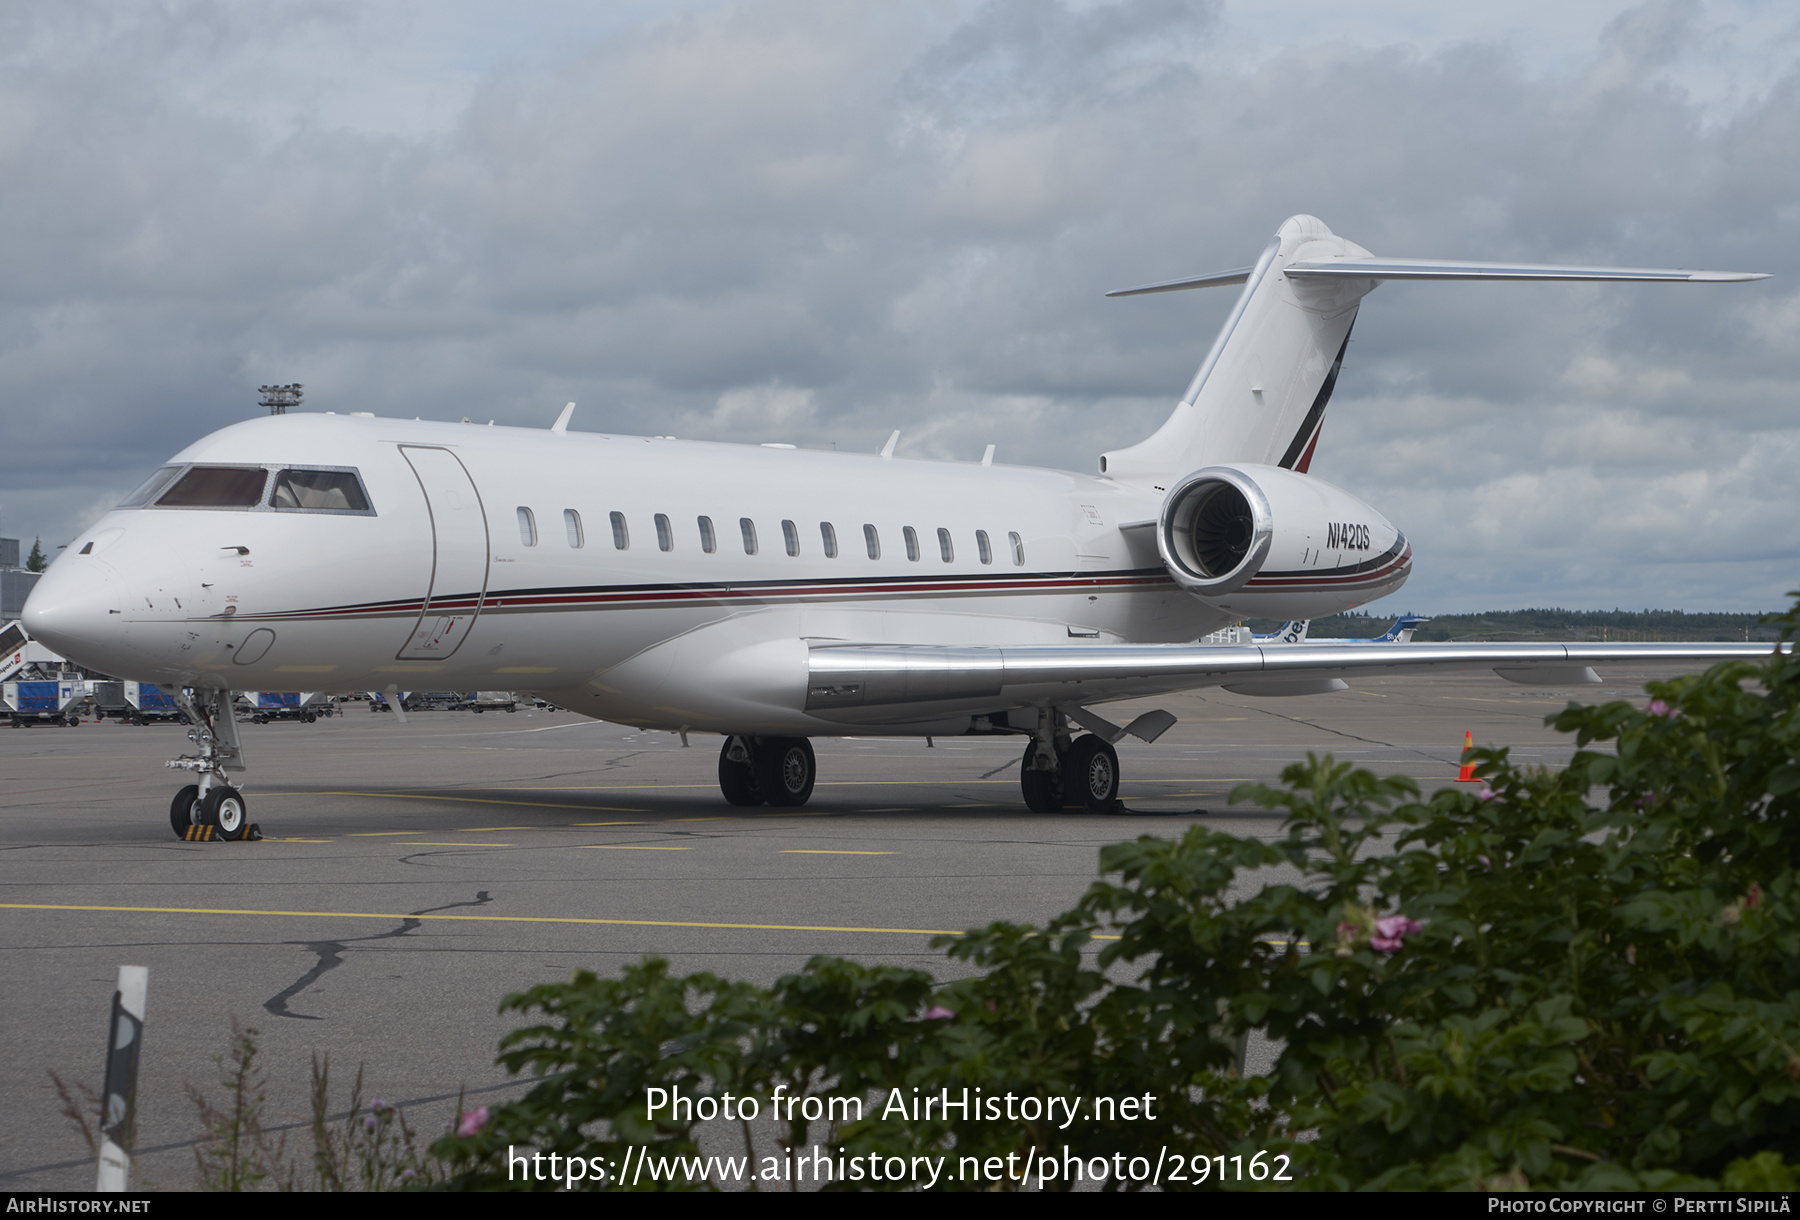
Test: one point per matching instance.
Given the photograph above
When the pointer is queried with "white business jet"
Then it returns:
(769, 594)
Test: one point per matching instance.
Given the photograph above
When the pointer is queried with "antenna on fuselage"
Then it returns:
(278, 398)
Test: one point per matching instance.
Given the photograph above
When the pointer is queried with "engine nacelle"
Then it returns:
(1266, 542)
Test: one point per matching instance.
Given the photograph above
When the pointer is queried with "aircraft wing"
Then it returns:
(872, 683)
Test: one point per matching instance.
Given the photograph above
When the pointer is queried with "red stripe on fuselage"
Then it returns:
(663, 595)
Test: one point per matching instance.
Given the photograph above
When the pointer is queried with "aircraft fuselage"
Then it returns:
(444, 581)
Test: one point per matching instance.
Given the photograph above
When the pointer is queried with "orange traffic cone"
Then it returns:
(1467, 774)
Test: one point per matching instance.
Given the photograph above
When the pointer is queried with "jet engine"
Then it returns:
(1267, 542)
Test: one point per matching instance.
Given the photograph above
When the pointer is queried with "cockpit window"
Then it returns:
(338, 490)
(148, 489)
(216, 487)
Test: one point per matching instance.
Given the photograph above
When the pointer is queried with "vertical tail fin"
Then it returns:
(1259, 397)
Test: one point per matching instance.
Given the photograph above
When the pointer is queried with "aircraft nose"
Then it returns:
(78, 610)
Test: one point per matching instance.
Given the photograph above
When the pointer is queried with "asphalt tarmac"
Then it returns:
(414, 874)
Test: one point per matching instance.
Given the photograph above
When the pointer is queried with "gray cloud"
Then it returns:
(816, 222)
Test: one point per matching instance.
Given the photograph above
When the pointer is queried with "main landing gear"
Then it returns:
(767, 770)
(212, 803)
(1058, 773)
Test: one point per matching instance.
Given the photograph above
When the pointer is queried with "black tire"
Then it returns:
(785, 770)
(1043, 789)
(225, 809)
(1091, 774)
(737, 780)
(184, 811)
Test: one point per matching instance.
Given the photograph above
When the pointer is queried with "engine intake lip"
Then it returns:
(1215, 531)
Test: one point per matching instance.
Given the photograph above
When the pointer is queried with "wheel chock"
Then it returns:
(210, 834)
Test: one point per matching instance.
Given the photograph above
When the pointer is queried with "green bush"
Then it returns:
(1584, 979)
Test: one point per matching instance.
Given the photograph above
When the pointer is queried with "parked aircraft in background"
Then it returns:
(767, 593)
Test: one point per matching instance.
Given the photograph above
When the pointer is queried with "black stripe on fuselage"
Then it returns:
(1310, 424)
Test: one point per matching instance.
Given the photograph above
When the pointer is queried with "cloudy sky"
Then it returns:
(818, 221)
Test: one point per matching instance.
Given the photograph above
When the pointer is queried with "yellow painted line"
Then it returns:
(569, 919)
(842, 783)
(297, 840)
(376, 834)
(800, 851)
(725, 818)
(466, 800)
(488, 830)
(606, 823)
(465, 843)
(628, 847)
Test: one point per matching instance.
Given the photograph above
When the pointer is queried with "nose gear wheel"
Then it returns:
(223, 807)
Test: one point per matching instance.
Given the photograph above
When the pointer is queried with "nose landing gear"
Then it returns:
(212, 803)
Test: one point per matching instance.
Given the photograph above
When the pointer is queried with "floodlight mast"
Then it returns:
(278, 398)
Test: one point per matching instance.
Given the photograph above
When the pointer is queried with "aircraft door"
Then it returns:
(459, 542)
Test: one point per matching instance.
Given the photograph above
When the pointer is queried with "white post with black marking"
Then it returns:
(118, 1115)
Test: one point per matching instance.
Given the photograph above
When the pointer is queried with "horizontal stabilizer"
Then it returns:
(1218, 279)
(1435, 269)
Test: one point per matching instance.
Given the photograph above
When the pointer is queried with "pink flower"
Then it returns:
(1658, 708)
(1391, 933)
(472, 1122)
(1754, 898)
(1488, 794)
(938, 1012)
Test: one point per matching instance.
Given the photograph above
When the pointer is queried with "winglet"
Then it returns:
(887, 450)
(562, 421)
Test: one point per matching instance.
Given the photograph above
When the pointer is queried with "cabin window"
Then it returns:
(912, 543)
(790, 536)
(527, 527)
(621, 535)
(217, 487)
(319, 490)
(828, 536)
(150, 487)
(749, 530)
(944, 547)
(873, 541)
(981, 545)
(572, 524)
(1018, 549)
(665, 533)
(708, 541)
